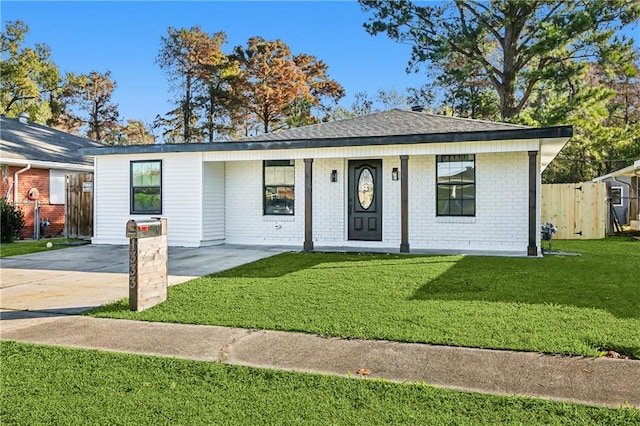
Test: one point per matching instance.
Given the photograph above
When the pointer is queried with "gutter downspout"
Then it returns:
(615, 179)
(636, 174)
(15, 183)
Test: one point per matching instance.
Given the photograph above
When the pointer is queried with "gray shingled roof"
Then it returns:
(395, 127)
(388, 123)
(34, 142)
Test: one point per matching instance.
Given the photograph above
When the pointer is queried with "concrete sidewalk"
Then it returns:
(593, 381)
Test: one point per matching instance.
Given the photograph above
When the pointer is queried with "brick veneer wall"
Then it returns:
(190, 185)
(39, 179)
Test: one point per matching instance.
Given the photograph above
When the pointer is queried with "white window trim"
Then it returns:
(621, 188)
(57, 186)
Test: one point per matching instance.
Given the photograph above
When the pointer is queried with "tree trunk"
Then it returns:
(211, 115)
(95, 123)
(265, 117)
(507, 98)
(186, 111)
(515, 21)
(508, 92)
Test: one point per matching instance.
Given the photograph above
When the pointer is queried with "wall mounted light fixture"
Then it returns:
(334, 175)
(394, 173)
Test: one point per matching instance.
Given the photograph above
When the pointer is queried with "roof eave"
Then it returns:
(46, 164)
(629, 171)
(564, 132)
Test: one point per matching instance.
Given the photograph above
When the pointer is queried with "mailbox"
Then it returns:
(148, 257)
(137, 229)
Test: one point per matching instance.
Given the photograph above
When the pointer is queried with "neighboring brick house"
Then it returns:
(38, 158)
(393, 181)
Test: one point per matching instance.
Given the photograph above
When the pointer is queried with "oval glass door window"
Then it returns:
(365, 188)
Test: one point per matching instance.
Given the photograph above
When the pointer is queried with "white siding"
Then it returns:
(111, 192)
(213, 203)
(181, 197)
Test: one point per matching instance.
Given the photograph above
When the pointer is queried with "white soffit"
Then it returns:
(549, 148)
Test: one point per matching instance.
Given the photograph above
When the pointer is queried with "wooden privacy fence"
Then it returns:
(79, 214)
(577, 210)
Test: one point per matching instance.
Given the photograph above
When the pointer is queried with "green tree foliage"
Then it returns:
(29, 78)
(518, 45)
(76, 103)
(391, 98)
(87, 104)
(136, 133)
(604, 108)
(300, 113)
(540, 63)
(220, 96)
(365, 104)
(464, 91)
(12, 222)
(362, 105)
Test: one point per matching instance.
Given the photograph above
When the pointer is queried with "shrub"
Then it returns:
(12, 222)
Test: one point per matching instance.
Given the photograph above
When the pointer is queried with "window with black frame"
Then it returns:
(146, 187)
(456, 185)
(279, 187)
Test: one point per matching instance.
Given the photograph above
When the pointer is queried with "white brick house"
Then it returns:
(396, 180)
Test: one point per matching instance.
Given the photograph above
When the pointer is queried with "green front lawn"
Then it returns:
(25, 247)
(559, 304)
(48, 385)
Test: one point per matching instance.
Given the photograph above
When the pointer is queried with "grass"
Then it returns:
(48, 385)
(25, 247)
(570, 305)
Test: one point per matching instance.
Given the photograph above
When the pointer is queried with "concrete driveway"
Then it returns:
(76, 279)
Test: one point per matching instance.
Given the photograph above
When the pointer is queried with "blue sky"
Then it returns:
(124, 37)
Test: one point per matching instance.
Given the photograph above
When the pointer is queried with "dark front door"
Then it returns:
(365, 200)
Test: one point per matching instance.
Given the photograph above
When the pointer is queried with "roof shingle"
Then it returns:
(34, 142)
(387, 123)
